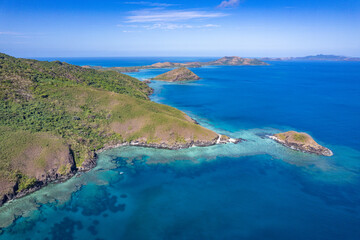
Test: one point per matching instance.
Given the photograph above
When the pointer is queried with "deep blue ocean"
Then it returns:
(254, 190)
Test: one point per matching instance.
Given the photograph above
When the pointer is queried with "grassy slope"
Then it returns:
(51, 107)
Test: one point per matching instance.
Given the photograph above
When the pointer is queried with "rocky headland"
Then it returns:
(176, 75)
(301, 142)
(53, 125)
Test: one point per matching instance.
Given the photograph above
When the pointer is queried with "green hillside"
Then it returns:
(54, 116)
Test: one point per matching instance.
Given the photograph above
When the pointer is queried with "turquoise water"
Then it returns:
(254, 190)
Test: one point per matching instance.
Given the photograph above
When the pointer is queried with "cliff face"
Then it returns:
(301, 142)
(179, 74)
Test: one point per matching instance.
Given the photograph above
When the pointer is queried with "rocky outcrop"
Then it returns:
(301, 142)
(220, 139)
(176, 75)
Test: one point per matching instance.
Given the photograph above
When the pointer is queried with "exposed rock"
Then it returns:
(301, 142)
(220, 139)
(179, 74)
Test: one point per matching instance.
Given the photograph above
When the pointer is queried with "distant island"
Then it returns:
(224, 61)
(319, 57)
(301, 142)
(55, 117)
(176, 75)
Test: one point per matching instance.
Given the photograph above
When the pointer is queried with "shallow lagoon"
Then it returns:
(254, 190)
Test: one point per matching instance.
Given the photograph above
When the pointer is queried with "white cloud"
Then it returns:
(229, 3)
(160, 15)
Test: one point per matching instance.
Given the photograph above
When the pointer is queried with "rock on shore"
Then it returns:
(301, 142)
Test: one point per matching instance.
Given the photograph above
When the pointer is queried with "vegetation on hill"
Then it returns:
(178, 74)
(54, 116)
(22, 78)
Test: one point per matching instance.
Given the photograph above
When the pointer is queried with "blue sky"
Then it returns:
(253, 28)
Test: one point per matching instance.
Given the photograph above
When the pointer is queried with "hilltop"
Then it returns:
(178, 74)
(55, 116)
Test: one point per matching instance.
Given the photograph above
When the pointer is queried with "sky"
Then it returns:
(247, 28)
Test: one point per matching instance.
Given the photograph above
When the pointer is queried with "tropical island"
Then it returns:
(301, 142)
(224, 61)
(55, 117)
(176, 75)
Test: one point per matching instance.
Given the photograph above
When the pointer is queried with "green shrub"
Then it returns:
(26, 182)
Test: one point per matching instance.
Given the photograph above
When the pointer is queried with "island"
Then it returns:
(176, 75)
(224, 61)
(319, 57)
(236, 61)
(301, 142)
(56, 117)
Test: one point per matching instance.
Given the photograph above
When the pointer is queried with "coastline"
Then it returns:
(91, 162)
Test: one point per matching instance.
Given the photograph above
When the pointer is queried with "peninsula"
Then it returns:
(55, 117)
(224, 61)
(301, 142)
(176, 75)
